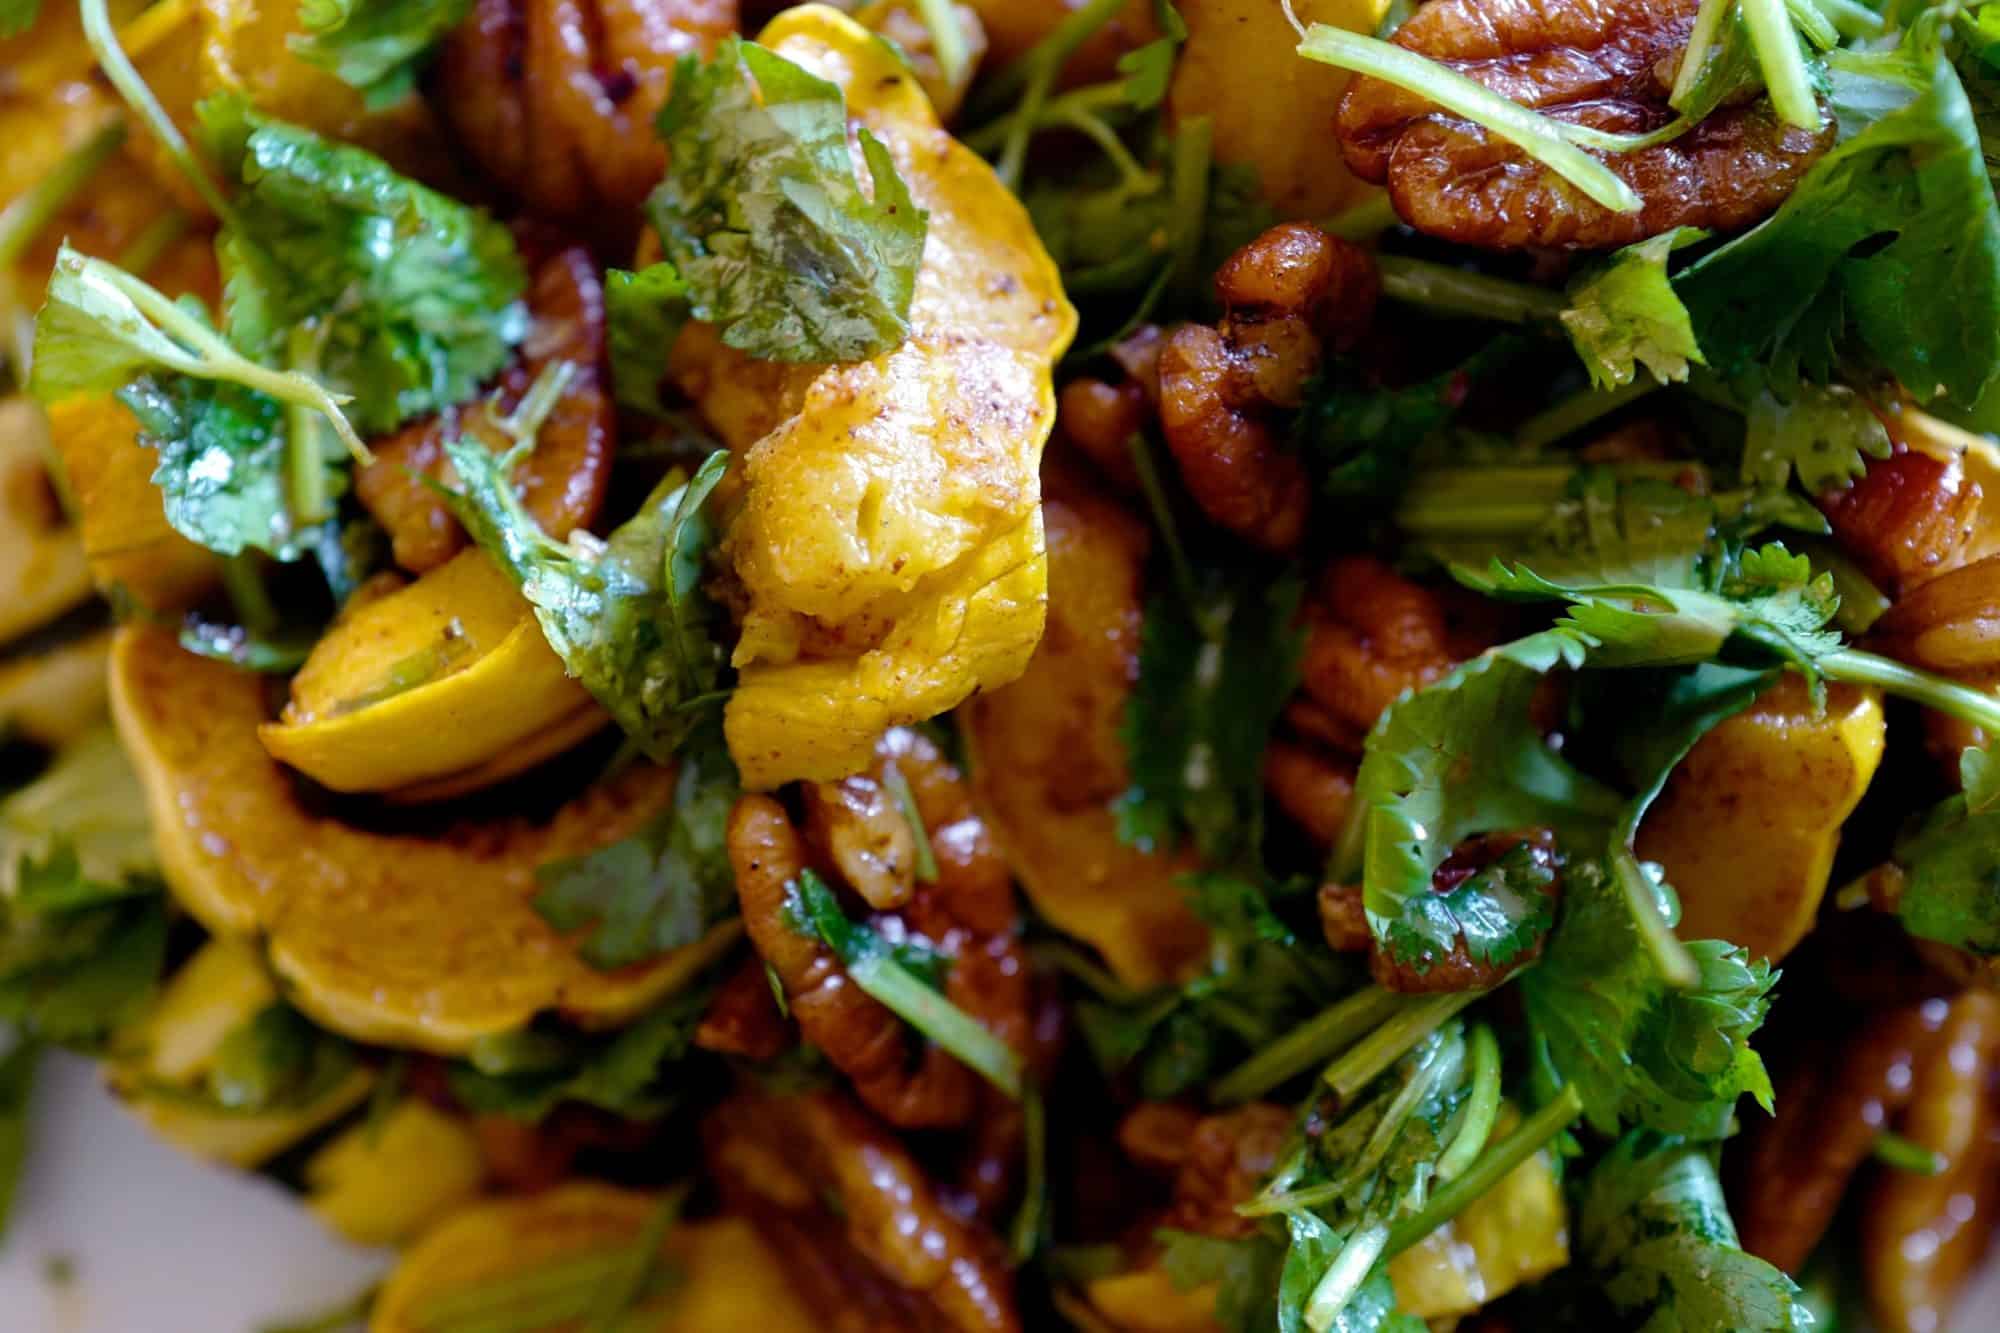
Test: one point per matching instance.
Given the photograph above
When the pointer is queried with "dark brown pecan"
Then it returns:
(1284, 294)
(563, 481)
(1907, 518)
(557, 98)
(1371, 634)
(968, 915)
(743, 1018)
(1217, 1161)
(1315, 789)
(1604, 64)
(867, 1236)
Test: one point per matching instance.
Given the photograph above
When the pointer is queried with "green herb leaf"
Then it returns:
(1951, 864)
(1625, 314)
(1244, 1272)
(630, 1074)
(1199, 718)
(627, 615)
(1824, 435)
(1150, 68)
(277, 1059)
(660, 889)
(1653, 1226)
(376, 46)
(644, 312)
(762, 214)
(412, 299)
(17, 16)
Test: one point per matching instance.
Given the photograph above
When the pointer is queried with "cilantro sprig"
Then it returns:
(377, 47)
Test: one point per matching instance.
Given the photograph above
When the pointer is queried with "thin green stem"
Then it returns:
(906, 806)
(1027, 1237)
(30, 211)
(1189, 166)
(1906, 682)
(939, 1019)
(947, 38)
(1051, 54)
(1572, 414)
(1786, 78)
(1366, 1061)
(243, 581)
(1366, 220)
(1311, 1043)
(1708, 22)
(1445, 290)
(1155, 492)
(1850, 18)
(1136, 178)
(1902, 1154)
(1475, 1123)
(125, 77)
(1504, 501)
(1550, 142)
(1344, 1276)
(306, 487)
(1494, 1166)
(152, 244)
(1045, 63)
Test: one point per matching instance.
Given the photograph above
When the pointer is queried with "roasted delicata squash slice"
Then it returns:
(885, 535)
(397, 939)
(1237, 45)
(436, 688)
(1048, 760)
(569, 1242)
(1748, 824)
(42, 569)
(381, 1184)
(161, 1061)
(54, 698)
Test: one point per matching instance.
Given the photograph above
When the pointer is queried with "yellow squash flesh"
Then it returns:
(885, 529)
(54, 698)
(1748, 824)
(173, 1045)
(392, 938)
(730, 1280)
(382, 1184)
(1269, 110)
(447, 677)
(42, 569)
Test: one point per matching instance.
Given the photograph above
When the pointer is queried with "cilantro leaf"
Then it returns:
(1150, 68)
(17, 16)
(528, 1074)
(1454, 760)
(1653, 1226)
(1624, 314)
(78, 958)
(762, 214)
(1904, 205)
(627, 615)
(1824, 434)
(1198, 720)
(411, 299)
(644, 312)
(1244, 1272)
(1951, 864)
(376, 46)
(660, 889)
(222, 468)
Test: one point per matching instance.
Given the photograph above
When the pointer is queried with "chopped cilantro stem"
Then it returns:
(150, 245)
(1572, 414)
(1946, 696)
(1445, 290)
(1027, 1237)
(1042, 64)
(118, 68)
(1052, 52)
(1850, 18)
(906, 806)
(1366, 220)
(1502, 501)
(1155, 492)
(1313, 1042)
(243, 581)
(947, 38)
(305, 462)
(1708, 22)
(30, 211)
(1350, 1268)
(1475, 1124)
(1188, 170)
(873, 968)
(1494, 1166)
(213, 358)
(1364, 1063)
(1786, 78)
(1893, 1150)
(1548, 141)
(1671, 960)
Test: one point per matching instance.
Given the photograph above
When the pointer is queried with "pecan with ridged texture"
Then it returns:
(1217, 1161)
(1604, 64)
(557, 98)
(1907, 518)
(562, 481)
(1285, 294)
(868, 1238)
(968, 915)
(1370, 635)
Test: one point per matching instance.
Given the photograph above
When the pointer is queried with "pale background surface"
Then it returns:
(162, 1244)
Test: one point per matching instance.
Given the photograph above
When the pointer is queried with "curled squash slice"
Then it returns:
(393, 938)
(1048, 759)
(885, 529)
(563, 1242)
(436, 688)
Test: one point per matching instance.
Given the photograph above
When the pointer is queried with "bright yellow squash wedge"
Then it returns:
(475, 1266)
(884, 522)
(1748, 824)
(446, 677)
(380, 1184)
